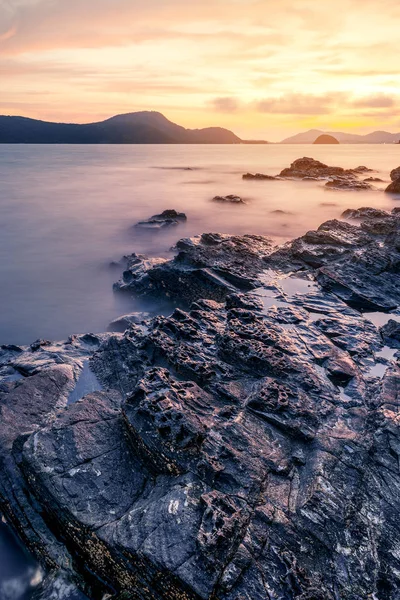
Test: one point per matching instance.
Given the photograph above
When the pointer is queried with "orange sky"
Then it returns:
(265, 69)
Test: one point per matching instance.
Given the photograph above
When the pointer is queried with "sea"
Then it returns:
(67, 215)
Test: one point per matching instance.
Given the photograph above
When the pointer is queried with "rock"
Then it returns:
(211, 266)
(391, 333)
(348, 184)
(259, 177)
(326, 139)
(168, 218)
(306, 168)
(395, 174)
(373, 180)
(123, 323)
(394, 187)
(364, 213)
(231, 199)
(280, 212)
(245, 447)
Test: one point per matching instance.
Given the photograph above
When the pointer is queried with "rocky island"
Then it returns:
(247, 446)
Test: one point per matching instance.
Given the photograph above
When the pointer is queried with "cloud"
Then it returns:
(226, 105)
(376, 101)
(298, 104)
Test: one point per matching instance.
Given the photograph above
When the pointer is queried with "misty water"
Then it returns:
(66, 212)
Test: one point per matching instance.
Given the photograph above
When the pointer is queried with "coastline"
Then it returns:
(275, 355)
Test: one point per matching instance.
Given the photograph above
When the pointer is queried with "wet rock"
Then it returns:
(168, 218)
(363, 213)
(230, 199)
(391, 333)
(122, 323)
(245, 447)
(347, 184)
(394, 187)
(259, 177)
(210, 266)
(311, 168)
(395, 174)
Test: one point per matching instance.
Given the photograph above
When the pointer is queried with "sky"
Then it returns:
(265, 69)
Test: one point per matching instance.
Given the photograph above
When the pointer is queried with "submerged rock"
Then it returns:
(259, 177)
(168, 218)
(245, 447)
(340, 183)
(230, 199)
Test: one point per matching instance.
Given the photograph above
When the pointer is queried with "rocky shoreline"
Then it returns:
(245, 447)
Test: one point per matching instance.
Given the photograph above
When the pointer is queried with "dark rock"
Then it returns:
(211, 266)
(348, 184)
(123, 323)
(246, 447)
(310, 168)
(359, 214)
(374, 180)
(259, 177)
(391, 333)
(394, 187)
(230, 199)
(395, 174)
(168, 218)
(280, 212)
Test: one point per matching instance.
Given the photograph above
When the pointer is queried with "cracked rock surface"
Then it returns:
(245, 447)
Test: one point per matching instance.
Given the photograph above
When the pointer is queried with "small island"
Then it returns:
(326, 139)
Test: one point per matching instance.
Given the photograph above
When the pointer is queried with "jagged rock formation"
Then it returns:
(247, 446)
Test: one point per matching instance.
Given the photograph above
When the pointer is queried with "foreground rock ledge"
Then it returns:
(244, 447)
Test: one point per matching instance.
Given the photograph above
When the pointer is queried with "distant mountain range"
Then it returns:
(145, 127)
(376, 137)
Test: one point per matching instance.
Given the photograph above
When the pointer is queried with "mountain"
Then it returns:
(376, 137)
(145, 127)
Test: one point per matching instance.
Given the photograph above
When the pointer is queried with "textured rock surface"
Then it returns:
(259, 177)
(168, 218)
(394, 187)
(305, 168)
(246, 447)
(395, 174)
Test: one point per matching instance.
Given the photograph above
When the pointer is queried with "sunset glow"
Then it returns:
(265, 69)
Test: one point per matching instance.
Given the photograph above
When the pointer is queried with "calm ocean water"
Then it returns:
(67, 211)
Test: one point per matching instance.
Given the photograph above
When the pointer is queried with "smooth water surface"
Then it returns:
(67, 211)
